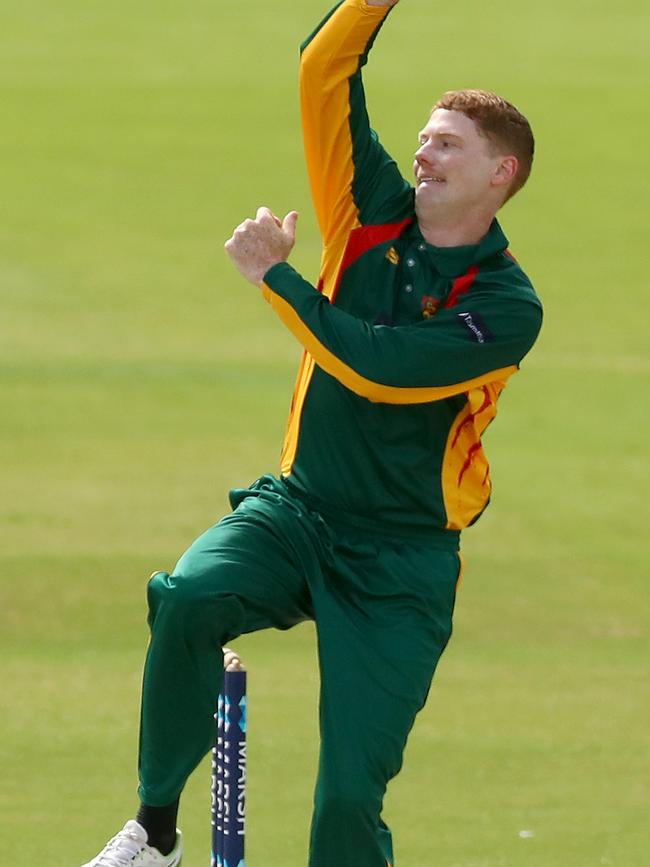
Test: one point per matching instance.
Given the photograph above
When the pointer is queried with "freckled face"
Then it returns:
(454, 165)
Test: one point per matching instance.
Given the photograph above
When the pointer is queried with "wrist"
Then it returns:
(275, 270)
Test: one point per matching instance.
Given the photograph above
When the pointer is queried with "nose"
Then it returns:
(422, 154)
(421, 157)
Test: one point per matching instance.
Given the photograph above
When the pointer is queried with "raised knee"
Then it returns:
(186, 599)
(165, 594)
(179, 590)
(168, 589)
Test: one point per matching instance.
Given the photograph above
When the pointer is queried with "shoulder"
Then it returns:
(504, 297)
(502, 278)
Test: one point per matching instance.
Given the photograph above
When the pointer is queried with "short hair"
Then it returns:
(500, 122)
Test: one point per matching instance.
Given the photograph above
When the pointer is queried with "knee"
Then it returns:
(165, 592)
(187, 601)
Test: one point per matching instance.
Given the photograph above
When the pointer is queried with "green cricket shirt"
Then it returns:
(407, 346)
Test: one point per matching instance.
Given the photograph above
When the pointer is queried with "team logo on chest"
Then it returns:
(430, 306)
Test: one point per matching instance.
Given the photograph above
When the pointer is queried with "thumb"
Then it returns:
(289, 225)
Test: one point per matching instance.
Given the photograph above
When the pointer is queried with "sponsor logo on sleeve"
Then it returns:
(477, 326)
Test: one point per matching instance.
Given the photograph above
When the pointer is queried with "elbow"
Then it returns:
(314, 62)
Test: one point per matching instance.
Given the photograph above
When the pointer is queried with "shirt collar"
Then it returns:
(454, 261)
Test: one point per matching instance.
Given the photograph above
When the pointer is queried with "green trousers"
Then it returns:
(383, 612)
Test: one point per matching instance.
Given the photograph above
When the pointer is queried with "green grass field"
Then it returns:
(141, 378)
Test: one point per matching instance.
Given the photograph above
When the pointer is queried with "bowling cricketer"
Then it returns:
(420, 317)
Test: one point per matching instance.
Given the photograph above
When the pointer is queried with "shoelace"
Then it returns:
(120, 851)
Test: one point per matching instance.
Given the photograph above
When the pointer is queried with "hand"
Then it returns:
(258, 244)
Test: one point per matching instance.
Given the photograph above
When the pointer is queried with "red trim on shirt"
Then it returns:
(460, 286)
(470, 418)
(470, 457)
(364, 238)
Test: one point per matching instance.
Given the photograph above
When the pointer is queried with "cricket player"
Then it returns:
(419, 319)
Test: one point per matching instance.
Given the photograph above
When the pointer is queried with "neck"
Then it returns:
(445, 231)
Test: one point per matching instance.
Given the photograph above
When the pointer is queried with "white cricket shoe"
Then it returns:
(129, 849)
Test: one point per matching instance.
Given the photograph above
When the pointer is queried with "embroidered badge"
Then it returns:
(476, 326)
(393, 256)
(430, 306)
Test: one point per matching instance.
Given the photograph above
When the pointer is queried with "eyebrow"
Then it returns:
(441, 133)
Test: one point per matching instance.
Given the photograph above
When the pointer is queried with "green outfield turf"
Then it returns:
(140, 378)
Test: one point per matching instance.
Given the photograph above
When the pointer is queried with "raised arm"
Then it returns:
(353, 180)
(434, 359)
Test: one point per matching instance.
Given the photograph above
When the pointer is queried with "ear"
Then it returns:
(505, 171)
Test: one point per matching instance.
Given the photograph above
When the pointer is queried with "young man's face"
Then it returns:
(455, 166)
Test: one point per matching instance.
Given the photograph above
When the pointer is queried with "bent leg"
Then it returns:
(384, 618)
(244, 574)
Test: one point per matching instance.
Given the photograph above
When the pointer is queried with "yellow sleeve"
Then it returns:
(352, 178)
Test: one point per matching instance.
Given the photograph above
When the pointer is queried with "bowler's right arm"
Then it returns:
(353, 180)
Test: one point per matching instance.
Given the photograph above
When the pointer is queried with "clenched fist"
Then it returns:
(258, 244)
